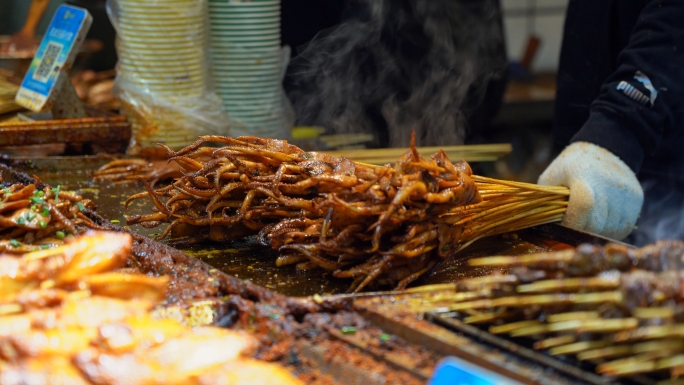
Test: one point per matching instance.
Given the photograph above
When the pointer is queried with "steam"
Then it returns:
(396, 66)
(662, 216)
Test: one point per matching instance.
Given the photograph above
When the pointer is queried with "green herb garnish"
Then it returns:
(39, 193)
(42, 224)
(348, 330)
(80, 206)
(21, 221)
(36, 200)
(115, 221)
(45, 212)
(307, 156)
(384, 337)
(30, 216)
(14, 243)
(59, 234)
(43, 247)
(57, 193)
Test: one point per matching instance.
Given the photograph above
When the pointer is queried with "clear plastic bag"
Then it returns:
(163, 79)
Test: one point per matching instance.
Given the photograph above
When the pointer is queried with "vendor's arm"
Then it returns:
(652, 65)
(26, 37)
(640, 101)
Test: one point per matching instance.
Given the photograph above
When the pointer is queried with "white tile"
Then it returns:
(516, 36)
(550, 30)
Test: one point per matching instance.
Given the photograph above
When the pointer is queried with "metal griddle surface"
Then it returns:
(248, 260)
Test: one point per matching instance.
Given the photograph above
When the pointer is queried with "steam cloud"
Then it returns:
(662, 216)
(400, 65)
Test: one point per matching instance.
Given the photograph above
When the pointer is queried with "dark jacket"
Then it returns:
(621, 83)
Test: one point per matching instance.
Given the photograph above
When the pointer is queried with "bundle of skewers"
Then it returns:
(375, 224)
(33, 218)
(615, 306)
(68, 317)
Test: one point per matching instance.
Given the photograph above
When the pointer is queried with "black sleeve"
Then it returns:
(644, 97)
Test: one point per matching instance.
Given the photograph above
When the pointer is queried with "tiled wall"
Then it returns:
(544, 18)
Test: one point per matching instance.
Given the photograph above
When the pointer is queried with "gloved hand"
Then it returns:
(605, 195)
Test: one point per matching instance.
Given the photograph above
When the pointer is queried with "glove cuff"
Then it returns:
(612, 136)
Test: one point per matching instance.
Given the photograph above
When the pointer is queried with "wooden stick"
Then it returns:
(578, 347)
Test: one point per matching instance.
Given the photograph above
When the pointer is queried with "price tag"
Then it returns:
(48, 72)
(454, 371)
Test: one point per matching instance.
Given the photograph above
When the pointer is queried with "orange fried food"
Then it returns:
(247, 372)
(66, 317)
(66, 264)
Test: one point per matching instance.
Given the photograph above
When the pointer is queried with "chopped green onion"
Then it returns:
(307, 156)
(38, 201)
(60, 235)
(42, 224)
(80, 206)
(114, 221)
(348, 329)
(45, 212)
(21, 221)
(6, 191)
(30, 216)
(44, 247)
(40, 193)
(33, 207)
(384, 337)
(14, 243)
(57, 193)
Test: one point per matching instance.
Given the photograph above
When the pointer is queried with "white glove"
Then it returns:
(605, 195)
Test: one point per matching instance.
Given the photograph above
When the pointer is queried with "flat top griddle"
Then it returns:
(247, 260)
(307, 333)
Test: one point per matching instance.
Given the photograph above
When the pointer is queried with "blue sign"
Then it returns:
(453, 371)
(54, 51)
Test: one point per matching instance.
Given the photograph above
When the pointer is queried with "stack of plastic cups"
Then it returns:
(248, 65)
(161, 50)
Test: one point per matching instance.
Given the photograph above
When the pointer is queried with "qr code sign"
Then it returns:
(49, 57)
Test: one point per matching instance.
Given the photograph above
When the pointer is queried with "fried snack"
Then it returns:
(122, 171)
(613, 303)
(383, 224)
(33, 219)
(67, 317)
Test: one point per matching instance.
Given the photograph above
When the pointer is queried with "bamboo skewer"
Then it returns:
(618, 306)
(469, 153)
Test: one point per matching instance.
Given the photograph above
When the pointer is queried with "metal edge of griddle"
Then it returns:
(529, 354)
(445, 342)
(444, 319)
(396, 364)
(570, 236)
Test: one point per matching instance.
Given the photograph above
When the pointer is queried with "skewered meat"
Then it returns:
(130, 170)
(382, 224)
(594, 302)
